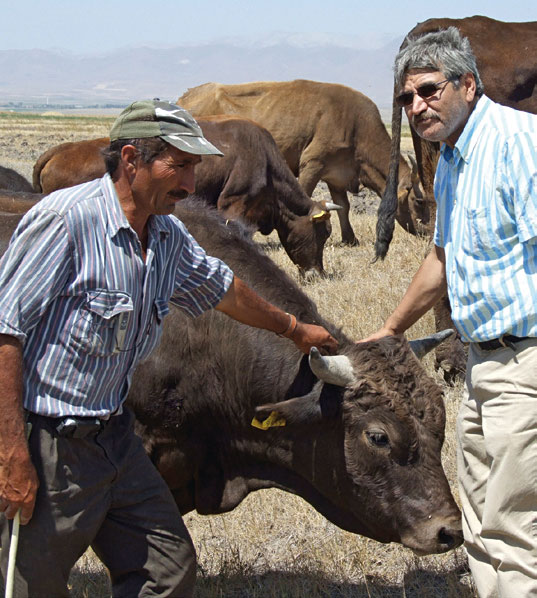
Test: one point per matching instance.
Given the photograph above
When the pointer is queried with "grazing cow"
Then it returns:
(251, 182)
(358, 435)
(11, 180)
(325, 132)
(505, 54)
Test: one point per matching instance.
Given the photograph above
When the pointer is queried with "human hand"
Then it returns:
(306, 336)
(18, 483)
(381, 333)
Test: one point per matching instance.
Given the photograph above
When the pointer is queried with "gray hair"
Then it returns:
(446, 51)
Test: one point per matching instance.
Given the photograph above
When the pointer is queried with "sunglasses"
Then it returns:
(425, 91)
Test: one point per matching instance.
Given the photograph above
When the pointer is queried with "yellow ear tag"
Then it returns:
(320, 215)
(272, 421)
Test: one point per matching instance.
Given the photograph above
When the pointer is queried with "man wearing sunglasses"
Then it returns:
(485, 255)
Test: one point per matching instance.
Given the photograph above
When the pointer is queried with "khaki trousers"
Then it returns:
(497, 467)
(102, 491)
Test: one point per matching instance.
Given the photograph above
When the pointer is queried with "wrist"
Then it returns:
(291, 327)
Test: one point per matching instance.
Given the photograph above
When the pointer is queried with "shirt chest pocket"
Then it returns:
(101, 324)
(479, 236)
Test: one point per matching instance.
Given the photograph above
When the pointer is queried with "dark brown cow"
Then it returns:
(11, 180)
(363, 447)
(358, 436)
(505, 54)
(251, 182)
(325, 132)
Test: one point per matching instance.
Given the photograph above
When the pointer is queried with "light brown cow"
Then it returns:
(325, 132)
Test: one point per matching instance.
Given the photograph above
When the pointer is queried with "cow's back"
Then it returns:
(297, 113)
(11, 180)
(69, 163)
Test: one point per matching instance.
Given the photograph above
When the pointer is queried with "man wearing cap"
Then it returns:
(84, 287)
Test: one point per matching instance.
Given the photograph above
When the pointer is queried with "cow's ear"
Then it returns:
(319, 215)
(323, 401)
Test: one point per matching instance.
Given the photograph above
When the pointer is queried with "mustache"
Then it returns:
(428, 115)
(179, 194)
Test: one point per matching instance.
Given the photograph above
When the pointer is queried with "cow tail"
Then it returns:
(388, 204)
(38, 167)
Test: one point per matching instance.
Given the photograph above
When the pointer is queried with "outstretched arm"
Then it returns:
(18, 478)
(244, 305)
(426, 288)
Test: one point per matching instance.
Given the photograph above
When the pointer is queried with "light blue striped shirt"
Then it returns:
(75, 290)
(486, 194)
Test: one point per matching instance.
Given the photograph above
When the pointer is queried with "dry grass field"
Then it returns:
(274, 545)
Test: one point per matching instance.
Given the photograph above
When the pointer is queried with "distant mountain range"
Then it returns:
(120, 76)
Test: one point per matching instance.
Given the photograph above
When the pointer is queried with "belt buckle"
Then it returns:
(506, 343)
(74, 427)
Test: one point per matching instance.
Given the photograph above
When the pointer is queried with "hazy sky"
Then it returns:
(92, 26)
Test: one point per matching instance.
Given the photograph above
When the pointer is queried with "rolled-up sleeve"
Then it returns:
(33, 271)
(200, 280)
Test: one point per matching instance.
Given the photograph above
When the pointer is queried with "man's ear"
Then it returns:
(129, 155)
(468, 82)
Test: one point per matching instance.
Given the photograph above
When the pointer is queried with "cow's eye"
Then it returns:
(378, 438)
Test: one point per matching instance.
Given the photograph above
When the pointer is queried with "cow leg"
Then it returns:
(450, 356)
(339, 196)
(309, 176)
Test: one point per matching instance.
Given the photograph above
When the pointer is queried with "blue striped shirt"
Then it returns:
(486, 193)
(75, 290)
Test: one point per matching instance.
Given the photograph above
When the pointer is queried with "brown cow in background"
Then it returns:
(506, 60)
(325, 132)
(250, 182)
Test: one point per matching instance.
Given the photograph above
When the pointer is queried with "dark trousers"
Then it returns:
(100, 491)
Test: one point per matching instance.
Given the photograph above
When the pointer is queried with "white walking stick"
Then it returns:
(14, 543)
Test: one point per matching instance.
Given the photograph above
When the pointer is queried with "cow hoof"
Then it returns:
(349, 242)
(451, 372)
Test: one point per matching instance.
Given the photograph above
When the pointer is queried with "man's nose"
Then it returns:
(418, 104)
(188, 180)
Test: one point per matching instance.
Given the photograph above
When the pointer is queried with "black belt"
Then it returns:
(507, 340)
(78, 427)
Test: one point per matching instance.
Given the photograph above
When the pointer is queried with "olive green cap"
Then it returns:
(173, 124)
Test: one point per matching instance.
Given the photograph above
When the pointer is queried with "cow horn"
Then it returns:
(330, 205)
(334, 369)
(422, 346)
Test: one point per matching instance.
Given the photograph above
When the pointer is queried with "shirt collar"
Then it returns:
(116, 216)
(470, 134)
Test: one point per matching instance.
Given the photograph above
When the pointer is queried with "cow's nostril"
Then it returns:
(449, 538)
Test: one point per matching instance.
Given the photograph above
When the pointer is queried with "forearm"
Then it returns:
(245, 305)
(11, 412)
(18, 479)
(426, 288)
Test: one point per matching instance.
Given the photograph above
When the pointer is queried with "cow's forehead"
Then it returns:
(388, 374)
